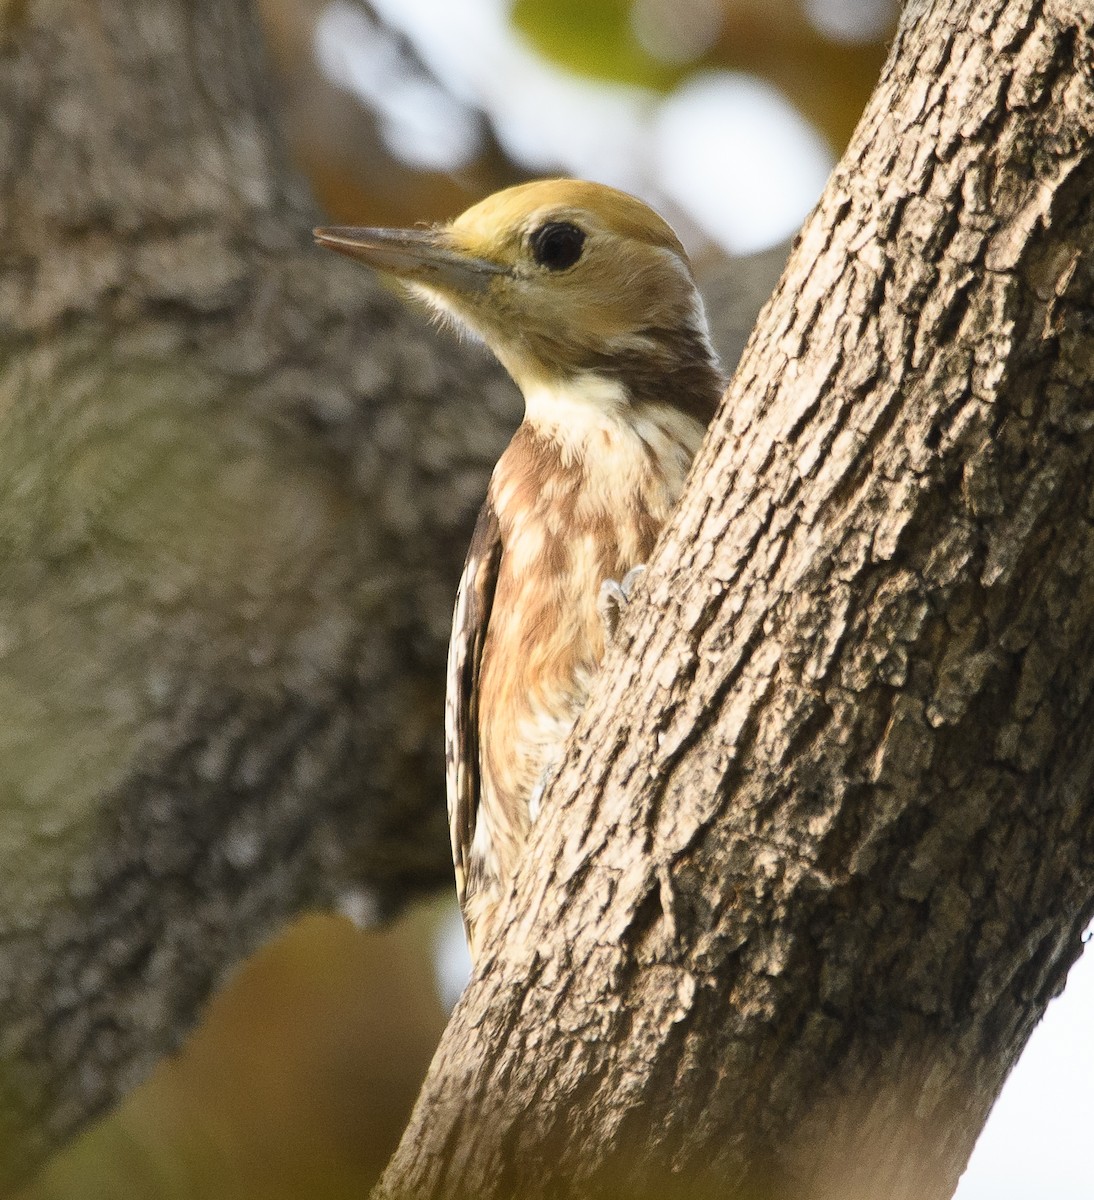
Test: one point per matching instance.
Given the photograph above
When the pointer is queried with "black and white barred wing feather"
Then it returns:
(474, 601)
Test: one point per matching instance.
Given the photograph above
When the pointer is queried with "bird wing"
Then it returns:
(474, 600)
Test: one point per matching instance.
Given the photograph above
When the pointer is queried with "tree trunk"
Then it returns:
(823, 846)
(232, 515)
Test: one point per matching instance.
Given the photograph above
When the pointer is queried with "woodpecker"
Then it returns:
(587, 298)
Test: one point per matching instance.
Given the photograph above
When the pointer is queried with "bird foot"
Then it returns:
(614, 597)
(535, 800)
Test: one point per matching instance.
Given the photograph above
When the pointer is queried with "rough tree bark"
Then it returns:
(236, 485)
(823, 846)
(232, 511)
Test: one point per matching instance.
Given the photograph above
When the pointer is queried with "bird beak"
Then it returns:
(424, 256)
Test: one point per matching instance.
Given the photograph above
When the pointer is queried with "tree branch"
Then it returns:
(823, 845)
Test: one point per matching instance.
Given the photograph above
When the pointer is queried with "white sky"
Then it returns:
(684, 151)
(1038, 1142)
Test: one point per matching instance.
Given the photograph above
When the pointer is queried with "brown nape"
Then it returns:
(679, 372)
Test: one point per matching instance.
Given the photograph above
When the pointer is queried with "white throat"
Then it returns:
(592, 420)
(570, 412)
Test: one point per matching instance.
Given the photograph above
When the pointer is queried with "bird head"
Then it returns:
(562, 278)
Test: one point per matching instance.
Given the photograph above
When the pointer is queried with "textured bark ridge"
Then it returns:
(824, 844)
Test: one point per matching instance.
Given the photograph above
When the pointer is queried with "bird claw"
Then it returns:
(614, 597)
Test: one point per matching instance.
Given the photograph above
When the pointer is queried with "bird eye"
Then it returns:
(557, 245)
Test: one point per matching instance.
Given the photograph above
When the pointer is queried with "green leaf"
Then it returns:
(593, 38)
